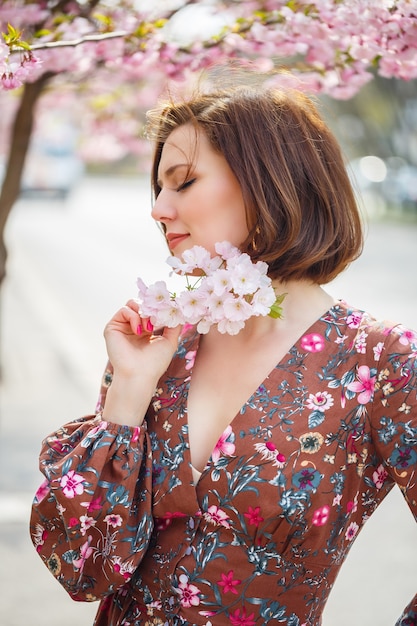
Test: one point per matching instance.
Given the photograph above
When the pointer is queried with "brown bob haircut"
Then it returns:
(301, 212)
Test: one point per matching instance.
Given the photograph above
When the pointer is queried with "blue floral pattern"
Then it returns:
(262, 535)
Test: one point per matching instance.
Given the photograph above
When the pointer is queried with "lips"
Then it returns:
(175, 238)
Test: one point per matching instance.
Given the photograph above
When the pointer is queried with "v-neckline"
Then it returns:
(194, 346)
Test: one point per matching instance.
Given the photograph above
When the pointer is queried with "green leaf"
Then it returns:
(276, 309)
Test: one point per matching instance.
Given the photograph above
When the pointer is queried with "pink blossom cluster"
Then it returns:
(330, 46)
(229, 289)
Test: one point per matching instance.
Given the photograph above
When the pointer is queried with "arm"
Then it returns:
(92, 517)
(394, 423)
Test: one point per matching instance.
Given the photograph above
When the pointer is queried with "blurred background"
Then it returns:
(77, 238)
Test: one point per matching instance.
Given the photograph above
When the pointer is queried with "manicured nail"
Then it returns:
(139, 329)
(149, 326)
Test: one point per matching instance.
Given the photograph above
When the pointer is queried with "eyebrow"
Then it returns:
(170, 171)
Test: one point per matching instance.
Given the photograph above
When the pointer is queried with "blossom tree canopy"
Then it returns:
(332, 46)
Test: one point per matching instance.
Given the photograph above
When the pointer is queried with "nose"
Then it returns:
(163, 209)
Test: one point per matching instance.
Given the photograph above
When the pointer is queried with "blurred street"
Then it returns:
(71, 265)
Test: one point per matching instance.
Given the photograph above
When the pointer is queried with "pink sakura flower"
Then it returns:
(379, 476)
(229, 583)
(236, 309)
(231, 327)
(226, 250)
(245, 276)
(253, 516)
(321, 515)
(72, 484)
(262, 301)
(189, 594)
(193, 305)
(229, 289)
(364, 386)
(214, 515)
(223, 446)
(221, 282)
(313, 342)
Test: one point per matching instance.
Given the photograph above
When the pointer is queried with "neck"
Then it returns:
(303, 304)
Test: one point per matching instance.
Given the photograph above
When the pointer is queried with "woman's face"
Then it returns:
(200, 202)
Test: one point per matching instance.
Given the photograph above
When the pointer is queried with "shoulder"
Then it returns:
(378, 334)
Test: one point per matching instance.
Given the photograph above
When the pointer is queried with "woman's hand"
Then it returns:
(139, 356)
(134, 346)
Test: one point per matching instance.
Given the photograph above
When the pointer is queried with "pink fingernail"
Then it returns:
(139, 329)
(149, 326)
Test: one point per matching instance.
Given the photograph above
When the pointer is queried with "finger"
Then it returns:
(172, 335)
(133, 304)
(125, 318)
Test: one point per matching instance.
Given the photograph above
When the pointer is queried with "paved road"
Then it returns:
(70, 266)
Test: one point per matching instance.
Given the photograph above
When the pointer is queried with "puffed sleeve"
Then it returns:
(91, 518)
(394, 423)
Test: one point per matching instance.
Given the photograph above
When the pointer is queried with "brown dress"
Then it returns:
(261, 536)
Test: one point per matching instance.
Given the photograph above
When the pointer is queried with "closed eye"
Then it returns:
(186, 184)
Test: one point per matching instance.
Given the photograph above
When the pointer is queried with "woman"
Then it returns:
(232, 493)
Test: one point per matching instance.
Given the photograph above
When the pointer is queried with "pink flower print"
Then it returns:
(352, 505)
(190, 358)
(229, 583)
(73, 521)
(253, 516)
(223, 446)
(270, 452)
(354, 319)
(86, 523)
(214, 515)
(94, 505)
(313, 342)
(378, 350)
(136, 434)
(352, 531)
(407, 337)
(321, 401)
(72, 484)
(379, 476)
(239, 618)
(39, 537)
(364, 386)
(321, 515)
(113, 520)
(85, 552)
(125, 568)
(189, 594)
(360, 342)
(42, 491)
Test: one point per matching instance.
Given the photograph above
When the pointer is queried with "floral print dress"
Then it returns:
(262, 534)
